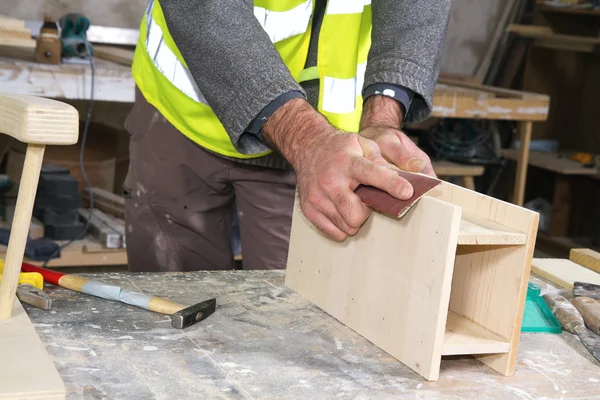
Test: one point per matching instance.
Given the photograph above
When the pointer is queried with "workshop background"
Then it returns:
(515, 118)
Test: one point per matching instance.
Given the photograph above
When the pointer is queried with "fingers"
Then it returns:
(323, 223)
(351, 209)
(372, 151)
(368, 173)
(343, 208)
(413, 159)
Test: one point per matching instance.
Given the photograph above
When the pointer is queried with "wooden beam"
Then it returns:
(586, 258)
(113, 53)
(563, 272)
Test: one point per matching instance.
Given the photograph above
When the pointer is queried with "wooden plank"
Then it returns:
(26, 370)
(7, 22)
(569, 10)
(390, 283)
(103, 233)
(86, 252)
(116, 225)
(587, 258)
(113, 82)
(449, 168)
(544, 32)
(113, 53)
(456, 106)
(481, 273)
(464, 337)
(108, 197)
(551, 162)
(563, 272)
(478, 231)
(498, 92)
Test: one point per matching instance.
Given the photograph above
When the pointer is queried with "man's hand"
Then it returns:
(381, 122)
(398, 149)
(330, 165)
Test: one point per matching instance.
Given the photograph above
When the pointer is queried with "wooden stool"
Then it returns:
(26, 370)
(445, 169)
(448, 278)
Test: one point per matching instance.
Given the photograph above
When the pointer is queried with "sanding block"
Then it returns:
(385, 203)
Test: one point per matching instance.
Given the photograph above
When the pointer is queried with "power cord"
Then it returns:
(88, 120)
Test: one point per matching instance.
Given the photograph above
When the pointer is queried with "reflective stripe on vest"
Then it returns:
(166, 61)
(346, 6)
(339, 95)
(281, 25)
(278, 25)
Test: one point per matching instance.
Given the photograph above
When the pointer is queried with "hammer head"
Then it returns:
(192, 314)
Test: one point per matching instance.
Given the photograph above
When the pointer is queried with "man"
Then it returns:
(220, 117)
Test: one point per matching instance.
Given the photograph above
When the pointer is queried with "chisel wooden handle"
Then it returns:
(565, 312)
(590, 311)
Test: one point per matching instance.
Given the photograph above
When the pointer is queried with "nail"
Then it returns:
(416, 164)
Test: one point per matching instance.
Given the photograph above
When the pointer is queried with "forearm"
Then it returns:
(295, 127)
(232, 60)
(407, 46)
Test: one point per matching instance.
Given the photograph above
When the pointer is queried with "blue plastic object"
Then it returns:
(537, 316)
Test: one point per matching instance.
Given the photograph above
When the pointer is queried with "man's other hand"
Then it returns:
(398, 149)
(330, 165)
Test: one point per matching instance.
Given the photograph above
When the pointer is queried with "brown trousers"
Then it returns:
(179, 203)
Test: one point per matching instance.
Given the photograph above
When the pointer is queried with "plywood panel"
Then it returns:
(476, 230)
(464, 337)
(26, 369)
(390, 283)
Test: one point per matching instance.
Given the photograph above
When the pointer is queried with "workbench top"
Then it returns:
(266, 342)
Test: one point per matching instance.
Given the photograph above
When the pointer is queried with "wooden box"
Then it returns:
(448, 278)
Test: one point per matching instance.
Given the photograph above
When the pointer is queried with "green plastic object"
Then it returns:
(537, 316)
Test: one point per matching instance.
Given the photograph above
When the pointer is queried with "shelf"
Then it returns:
(551, 162)
(477, 231)
(464, 337)
(570, 10)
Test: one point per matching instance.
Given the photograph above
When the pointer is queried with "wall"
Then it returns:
(471, 23)
(119, 13)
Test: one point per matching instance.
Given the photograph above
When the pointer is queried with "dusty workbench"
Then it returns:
(266, 342)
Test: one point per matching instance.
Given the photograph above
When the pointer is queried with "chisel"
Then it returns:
(572, 322)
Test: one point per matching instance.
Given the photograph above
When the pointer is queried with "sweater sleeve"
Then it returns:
(233, 61)
(407, 45)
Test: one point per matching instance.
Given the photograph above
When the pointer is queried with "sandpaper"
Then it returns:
(387, 204)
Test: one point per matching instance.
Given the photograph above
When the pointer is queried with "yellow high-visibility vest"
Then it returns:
(162, 75)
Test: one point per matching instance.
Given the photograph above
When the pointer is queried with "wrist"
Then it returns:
(382, 111)
(294, 129)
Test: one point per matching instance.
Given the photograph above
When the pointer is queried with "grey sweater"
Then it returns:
(240, 72)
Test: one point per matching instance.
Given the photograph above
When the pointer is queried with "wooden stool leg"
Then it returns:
(468, 182)
(525, 128)
(20, 227)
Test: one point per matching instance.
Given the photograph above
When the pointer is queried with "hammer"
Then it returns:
(182, 316)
